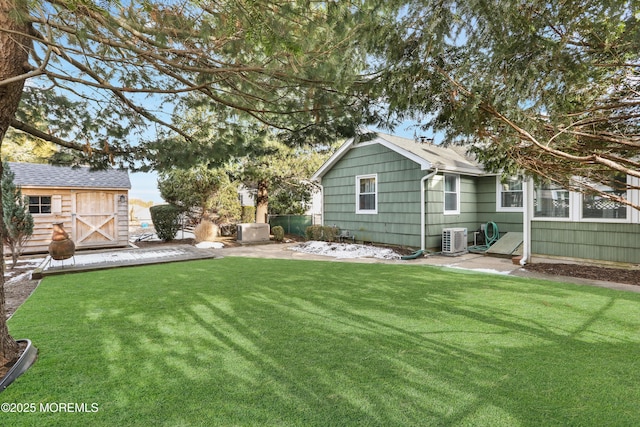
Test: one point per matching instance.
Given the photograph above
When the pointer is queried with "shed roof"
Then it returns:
(427, 155)
(43, 175)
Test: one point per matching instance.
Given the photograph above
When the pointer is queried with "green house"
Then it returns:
(397, 191)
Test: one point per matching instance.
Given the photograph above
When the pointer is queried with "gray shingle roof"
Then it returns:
(42, 175)
(452, 158)
(429, 156)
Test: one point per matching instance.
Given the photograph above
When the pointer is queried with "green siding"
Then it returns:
(398, 219)
(437, 220)
(587, 240)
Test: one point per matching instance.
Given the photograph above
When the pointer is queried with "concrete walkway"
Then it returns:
(89, 261)
(101, 260)
(474, 262)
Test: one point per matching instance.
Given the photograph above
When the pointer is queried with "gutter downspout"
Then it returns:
(527, 213)
(423, 219)
(321, 188)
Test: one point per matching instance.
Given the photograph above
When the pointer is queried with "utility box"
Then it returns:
(253, 233)
(454, 241)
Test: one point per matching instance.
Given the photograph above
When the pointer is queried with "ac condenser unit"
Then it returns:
(454, 241)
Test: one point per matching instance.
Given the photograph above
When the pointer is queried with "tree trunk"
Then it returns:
(262, 202)
(8, 346)
(15, 46)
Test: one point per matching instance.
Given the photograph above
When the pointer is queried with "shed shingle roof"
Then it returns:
(42, 175)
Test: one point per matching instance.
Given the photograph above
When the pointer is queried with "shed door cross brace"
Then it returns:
(95, 228)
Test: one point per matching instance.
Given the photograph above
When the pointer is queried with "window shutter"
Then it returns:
(56, 204)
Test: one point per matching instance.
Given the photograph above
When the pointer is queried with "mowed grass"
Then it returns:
(237, 342)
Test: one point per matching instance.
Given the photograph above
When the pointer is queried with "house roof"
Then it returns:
(428, 156)
(43, 175)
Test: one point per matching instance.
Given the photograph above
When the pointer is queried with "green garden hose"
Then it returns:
(488, 239)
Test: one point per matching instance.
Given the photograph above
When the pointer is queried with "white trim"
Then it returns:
(580, 213)
(333, 159)
(373, 211)
(634, 197)
(527, 214)
(423, 213)
(575, 209)
(424, 164)
(444, 193)
(569, 218)
(499, 207)
(40, 204)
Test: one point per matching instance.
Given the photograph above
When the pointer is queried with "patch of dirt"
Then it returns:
(18, 286)
(607, 274)
(4, 369)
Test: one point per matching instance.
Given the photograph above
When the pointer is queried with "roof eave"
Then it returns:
(326, 166)
(424, 163)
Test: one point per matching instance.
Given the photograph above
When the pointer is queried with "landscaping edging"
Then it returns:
(24, 362)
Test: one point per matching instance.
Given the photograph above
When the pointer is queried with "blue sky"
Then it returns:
(144, 186)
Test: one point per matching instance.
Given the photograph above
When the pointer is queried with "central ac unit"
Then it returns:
(454, 241)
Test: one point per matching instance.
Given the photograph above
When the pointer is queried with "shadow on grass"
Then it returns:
(263, 342)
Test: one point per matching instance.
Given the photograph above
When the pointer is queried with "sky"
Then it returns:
(144, 186)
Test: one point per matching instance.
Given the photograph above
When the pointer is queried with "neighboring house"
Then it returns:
(247, 196)
(92, 205)
(399, 191)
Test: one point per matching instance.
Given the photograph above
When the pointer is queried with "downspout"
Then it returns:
(423, 219)
(318, 184)
(321, 203)
(527, 213)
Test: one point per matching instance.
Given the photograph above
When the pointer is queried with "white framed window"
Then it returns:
(40, 204)
(451, 194)
(551, 201)
(367, 194)
(510, 194)
(599, 207)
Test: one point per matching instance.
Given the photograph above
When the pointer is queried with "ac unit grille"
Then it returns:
(454, 240)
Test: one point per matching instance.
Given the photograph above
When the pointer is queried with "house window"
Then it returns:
(39, 204)
(510, 194)
(367, 194)
(597, 206)
(550, 201)
(451, 194)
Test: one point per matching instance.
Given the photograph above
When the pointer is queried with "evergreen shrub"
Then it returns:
(166, 220)
(278, 233)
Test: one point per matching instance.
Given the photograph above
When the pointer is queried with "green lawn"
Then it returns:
(271, 342)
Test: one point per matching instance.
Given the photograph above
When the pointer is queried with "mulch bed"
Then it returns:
(607, 274)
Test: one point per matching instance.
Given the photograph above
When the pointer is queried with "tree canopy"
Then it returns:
(550, 88)
(104, 75)
(201, 192)
(103, 78)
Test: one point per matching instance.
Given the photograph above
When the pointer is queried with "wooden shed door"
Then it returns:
(95, 220)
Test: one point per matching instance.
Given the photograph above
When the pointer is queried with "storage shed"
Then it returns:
(92, 205)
